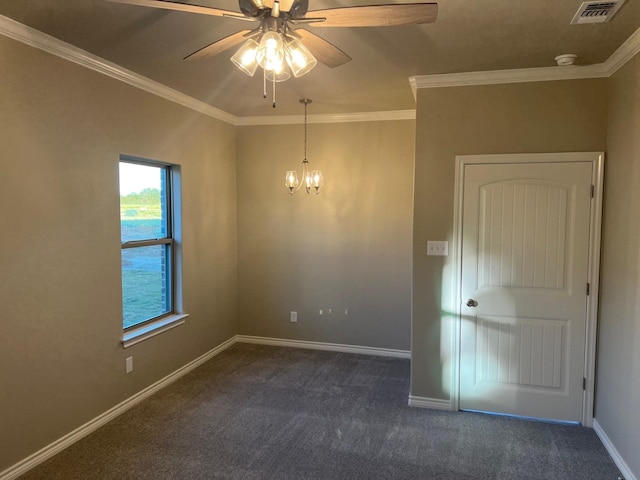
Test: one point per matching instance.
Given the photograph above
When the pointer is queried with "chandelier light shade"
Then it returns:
(311, 179)
(316, 180)
(291, 181)
(278, 50)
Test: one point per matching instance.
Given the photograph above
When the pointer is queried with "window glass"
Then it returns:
(145, 223)
(142, 198)
(144, 284)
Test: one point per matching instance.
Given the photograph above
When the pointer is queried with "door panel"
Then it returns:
(525, 243)
(520, 351)
(522, 235)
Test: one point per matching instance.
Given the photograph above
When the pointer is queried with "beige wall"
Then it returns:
(618, 385)
(62, 128)
(517, 118)
(348, 248)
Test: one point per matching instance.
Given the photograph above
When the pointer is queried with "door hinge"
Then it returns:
(593, 191)
(584, 383)
(588, 288)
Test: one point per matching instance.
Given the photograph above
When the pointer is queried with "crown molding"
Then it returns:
(622, 55)
(495, 77)
(328, 118)
(36, 38)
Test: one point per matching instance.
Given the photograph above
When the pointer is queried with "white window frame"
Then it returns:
(175, 316)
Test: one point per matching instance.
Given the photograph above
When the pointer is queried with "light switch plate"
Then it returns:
(438, 248)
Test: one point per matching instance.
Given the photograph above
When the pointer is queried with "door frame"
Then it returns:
(593, 272)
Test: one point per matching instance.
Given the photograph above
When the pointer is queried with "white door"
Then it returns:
(525, 253)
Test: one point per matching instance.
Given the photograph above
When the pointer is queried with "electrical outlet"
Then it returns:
(129, 364)
(321, 312)
(329, 311)
(294, 317)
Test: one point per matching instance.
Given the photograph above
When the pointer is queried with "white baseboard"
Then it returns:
(433, 403)
(56, 447)
(333, 347)
(617, 459)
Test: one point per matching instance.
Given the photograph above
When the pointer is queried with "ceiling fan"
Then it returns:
(279, 45)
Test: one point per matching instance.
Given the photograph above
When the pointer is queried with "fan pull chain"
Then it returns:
(264, 84)
(274, 89)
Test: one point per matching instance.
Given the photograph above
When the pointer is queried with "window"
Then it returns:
(148, 245)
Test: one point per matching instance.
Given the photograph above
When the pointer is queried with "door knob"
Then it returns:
(472, 303)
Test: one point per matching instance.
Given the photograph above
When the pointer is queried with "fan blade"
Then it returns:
(219, 45)
(377, 15)
(181, 7)
(324, 51)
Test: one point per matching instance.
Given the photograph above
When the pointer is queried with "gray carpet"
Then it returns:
(257, 412)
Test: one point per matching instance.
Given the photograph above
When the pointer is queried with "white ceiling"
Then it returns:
(468, 36)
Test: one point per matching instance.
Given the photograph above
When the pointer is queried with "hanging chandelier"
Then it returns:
(278, 50)
(311, 179)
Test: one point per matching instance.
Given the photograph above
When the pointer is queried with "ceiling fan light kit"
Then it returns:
(275, 49)
(276, 52)
(277, 44)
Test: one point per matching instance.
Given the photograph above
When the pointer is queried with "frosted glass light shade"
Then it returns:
(299, 58)
(270, 54)
(245, 57)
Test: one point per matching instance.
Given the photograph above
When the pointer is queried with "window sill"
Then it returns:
(152, 329)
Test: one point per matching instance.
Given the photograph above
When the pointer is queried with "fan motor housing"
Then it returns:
(256, 8)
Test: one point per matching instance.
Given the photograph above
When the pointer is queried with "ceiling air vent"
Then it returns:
(596, 12)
